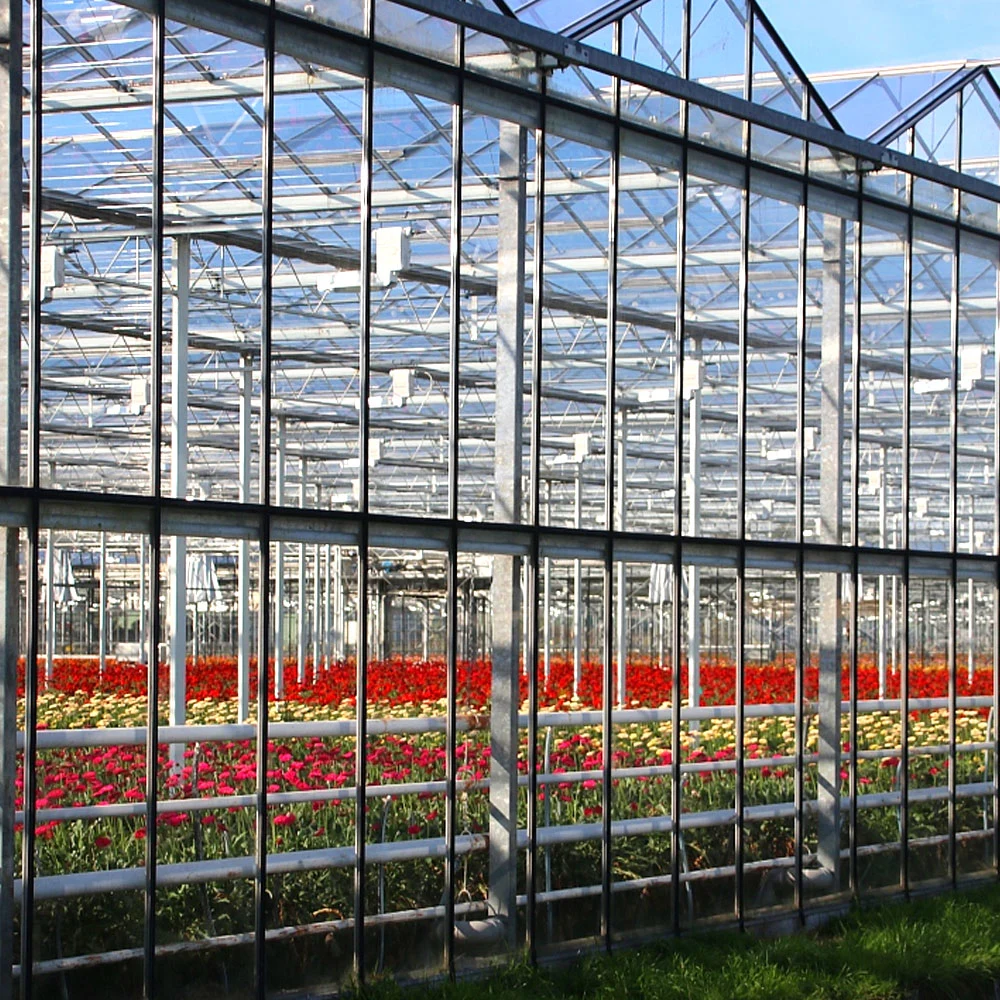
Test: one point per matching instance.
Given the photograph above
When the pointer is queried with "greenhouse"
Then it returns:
(482, 481)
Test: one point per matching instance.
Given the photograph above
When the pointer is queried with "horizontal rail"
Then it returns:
(164, 807)
(274, 934)
(123, 879)
(119, 880)
(63, 739)
(277, 934)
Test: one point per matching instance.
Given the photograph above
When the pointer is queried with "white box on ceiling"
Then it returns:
(402, 382)
(53, 269)
(692, 375)
(970, 364)
(139, 387)
(392, 252)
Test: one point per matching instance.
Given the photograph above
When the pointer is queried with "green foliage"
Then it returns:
(944, 948)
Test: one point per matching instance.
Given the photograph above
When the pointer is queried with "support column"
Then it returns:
(883, 540)
(506, 588)
(11, 85)
(50, 608)
(317, 581)
(425, 605)
(327, 555)
(578, 589)
(831, 517)
(177, 557)
(102, 604)
(243, 555)
(971, 625)
(622, 580)
(384, 611)
(692, 389)
(279, 567)
(547, 593)
(143, 558)
(338, 604)
(301, 670)
(893, 621)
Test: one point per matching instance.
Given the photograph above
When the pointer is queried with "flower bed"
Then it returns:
(202, 828)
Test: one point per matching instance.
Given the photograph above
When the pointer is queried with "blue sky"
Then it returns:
(851, 34)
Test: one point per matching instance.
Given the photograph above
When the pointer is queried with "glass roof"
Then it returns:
(97, 195)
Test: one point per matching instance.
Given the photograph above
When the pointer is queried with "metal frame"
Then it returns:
(337, 326)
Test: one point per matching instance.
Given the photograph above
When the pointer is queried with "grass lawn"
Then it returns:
(934, 948)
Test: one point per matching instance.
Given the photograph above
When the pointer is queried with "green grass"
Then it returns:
(941, 948)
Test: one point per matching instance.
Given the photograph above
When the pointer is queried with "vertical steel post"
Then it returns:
(506, 589)
(971, 600)
(152, 652)
(610, 416)
(142, 598)
(243, 553)
(578, 587)
(261, 825)
(10, 456)
(317, 580)
(693, 393)
(831, 520)
(547, 593)
(905, 512)
(451, 596)
(535, 517)
(883, 541)
(302, 605)
(364, 387)
(327, 607)
(177, 564)
(102, 608)
(676, 805)
(622, 608)
(50, 607)
(338, 604)
(280, 474)
(801, 332)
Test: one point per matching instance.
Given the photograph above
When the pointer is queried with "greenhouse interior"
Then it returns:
(482, 480)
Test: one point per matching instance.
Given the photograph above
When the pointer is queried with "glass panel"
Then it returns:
(569, 825)
(642, 760)
(645, 348)
(315, 339)
(311, 804)
(90, 799)
(496, 318)
(96, 266)
(711, 357)
(211, 307)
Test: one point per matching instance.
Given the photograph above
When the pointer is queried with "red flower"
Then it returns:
(102, 842)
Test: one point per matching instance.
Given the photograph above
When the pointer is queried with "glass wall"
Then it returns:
(477, 500)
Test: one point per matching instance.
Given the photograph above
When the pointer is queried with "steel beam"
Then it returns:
(11, 166)
(302, 604)
(831, 523)
(506, 587)
(177, 559)
(50, 607)
(280, 474)
(102, 606)
(243, 556)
